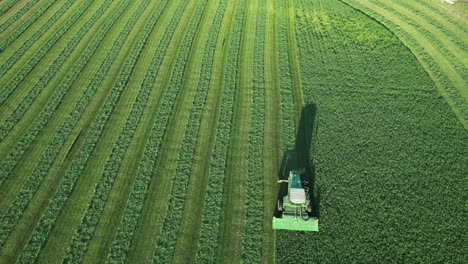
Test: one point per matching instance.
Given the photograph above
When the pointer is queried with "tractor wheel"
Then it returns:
(280, 205)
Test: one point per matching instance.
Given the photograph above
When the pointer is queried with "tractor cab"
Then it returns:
(295, 208)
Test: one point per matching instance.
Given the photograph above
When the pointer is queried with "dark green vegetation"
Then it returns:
(437, 34)
(154, 131)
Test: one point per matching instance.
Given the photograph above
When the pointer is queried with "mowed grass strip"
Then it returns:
(272, 136)
(8, 7)
(27, 10)
(17, 202)
(143, 112)
(189, 231)
(111, 119)
(431, 15)
(49, 156)
(184, 80)
(447, 43)
(455, 13)
(85, 232)
(40, 130)
(233, 217)
(156, 118)
(253, 227)
(30, 81)
(17, 44)
(414, 40)
(213, 203)
(194, 88)
(294, 63)
(32, 24)
(21, 60)
(25, 227)
(287, 96)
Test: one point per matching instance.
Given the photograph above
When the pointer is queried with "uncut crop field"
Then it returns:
(155, 131)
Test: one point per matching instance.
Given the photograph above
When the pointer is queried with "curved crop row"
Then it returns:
(454, 33)
(440, 38)
(210, 228)
(253, 230)
(161, 60)
(436, 65)
(86, 230)
(198, 68)
(11, 160)
(66, 187)
(17, 16)
(26, 101)
(430, 6)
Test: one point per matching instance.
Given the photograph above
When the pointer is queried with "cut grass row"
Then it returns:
(17, 175)
(189, 231)
(5, 6)
(86, 230)
(213, 202)
(294, 67)
(441, 21)
(110, 120)
(196, 76)
(440, 37)
(30, 10)
(112, 213)
(40, 70)
(25, 66)
(180, 97)
(229, 248)
(18, 195)
(287, 94)
(56, 173)
(50, 14)
(149, 131)
(456, 14)
(272, 128)
(255, 191)
(24, 51)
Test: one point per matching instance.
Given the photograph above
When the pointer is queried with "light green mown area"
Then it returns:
(155, 131)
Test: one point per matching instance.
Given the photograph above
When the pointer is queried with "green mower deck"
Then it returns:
(294, 223)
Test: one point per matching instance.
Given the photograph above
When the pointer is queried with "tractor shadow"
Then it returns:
(300, 158)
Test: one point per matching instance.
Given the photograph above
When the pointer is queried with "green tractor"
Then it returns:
(295, 208)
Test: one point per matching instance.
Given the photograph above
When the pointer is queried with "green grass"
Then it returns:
(444, 58)
(155, 131)
(389, 154)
